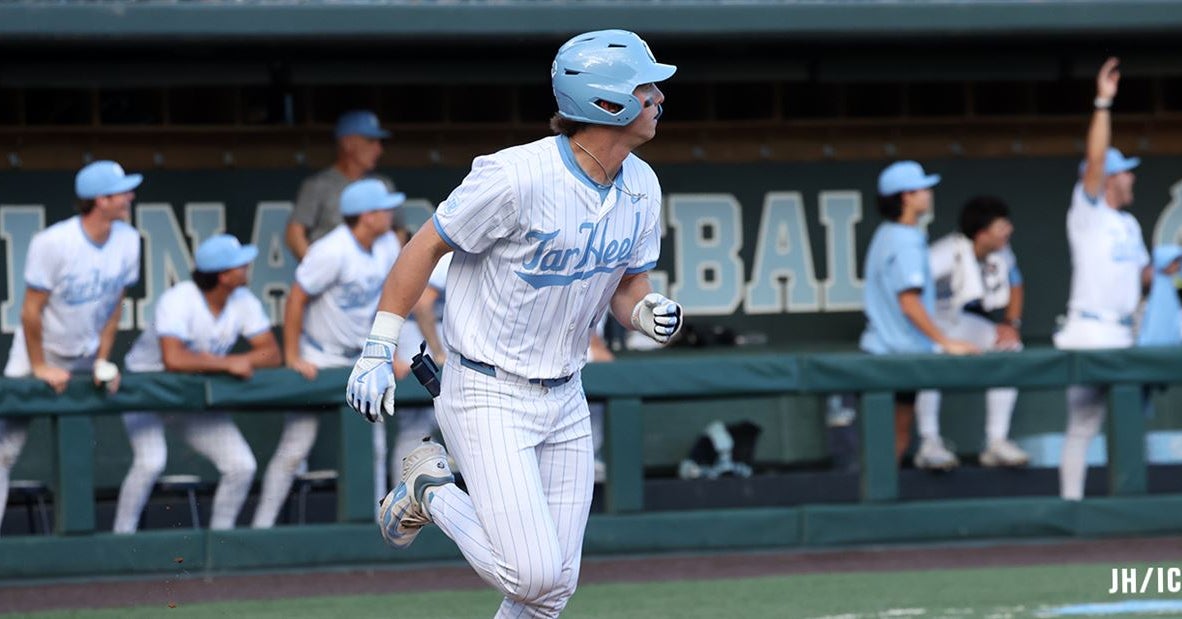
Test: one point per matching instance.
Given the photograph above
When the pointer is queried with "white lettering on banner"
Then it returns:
(704, 239)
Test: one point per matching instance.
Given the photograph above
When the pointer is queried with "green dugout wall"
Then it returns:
(779, 210)
(629, 388)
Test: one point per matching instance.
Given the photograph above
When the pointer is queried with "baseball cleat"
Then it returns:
(934, 456)
(402, 513)
(400, 521)
(1004, 452)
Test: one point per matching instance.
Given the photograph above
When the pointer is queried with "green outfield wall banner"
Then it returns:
(769, 248)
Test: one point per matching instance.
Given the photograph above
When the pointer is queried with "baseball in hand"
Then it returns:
(105, 371)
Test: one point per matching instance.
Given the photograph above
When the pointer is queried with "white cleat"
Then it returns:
(934, 456)
(1004, 452)
(402, 513)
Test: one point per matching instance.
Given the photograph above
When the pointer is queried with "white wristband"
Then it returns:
(387, 326)
(1102, 103)
(105, 371)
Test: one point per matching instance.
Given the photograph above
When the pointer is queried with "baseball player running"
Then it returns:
(75, 275)
(547, 236)
(1109, 269)
(976, 274)
(196, 323)
(335, 294)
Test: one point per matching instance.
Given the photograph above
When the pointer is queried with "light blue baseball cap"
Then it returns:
(1114, 162)
(368, 194)
(903, 176)
(360, 122)
(223, 252)
(104, 178)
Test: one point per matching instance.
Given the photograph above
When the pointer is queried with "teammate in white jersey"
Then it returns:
(196, 323)
(976, 274)
(75, 276)
(547, 236)
(1109, 271)
(335, 294)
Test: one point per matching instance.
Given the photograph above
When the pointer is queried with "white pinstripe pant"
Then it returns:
(212, 434)
(296, 442)
(527, 459)
(14, 431)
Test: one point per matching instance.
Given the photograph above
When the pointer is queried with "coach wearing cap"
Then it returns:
(900, 295)
(359, 138)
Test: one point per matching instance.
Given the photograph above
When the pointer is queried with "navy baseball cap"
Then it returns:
(368, 194)
(1114, 162)
(223, 252)
(903, 176)
(104, 178)
(360, 122)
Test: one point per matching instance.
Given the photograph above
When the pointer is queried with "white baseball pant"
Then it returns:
(999, 401)
(295, 443)
(526, 453)
(214, 435)
(1086, 406)
(14, 431)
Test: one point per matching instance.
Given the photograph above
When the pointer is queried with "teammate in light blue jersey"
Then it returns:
(900, 293)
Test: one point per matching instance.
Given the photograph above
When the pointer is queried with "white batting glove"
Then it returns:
(371, 384)
(657, 317)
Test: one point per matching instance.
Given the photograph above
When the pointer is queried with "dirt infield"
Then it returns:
(197, 588)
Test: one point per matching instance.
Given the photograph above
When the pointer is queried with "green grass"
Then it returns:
(996, 593)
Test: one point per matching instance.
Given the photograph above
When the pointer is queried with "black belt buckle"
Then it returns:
(425, 370)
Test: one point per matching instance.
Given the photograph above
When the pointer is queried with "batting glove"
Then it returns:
(657, 317)
(371, 385)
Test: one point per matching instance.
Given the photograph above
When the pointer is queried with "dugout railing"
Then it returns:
(625, 386)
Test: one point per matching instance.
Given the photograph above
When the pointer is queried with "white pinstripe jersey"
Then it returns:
(182, 312)
(84, 282)
(540, 249)
(345, 283)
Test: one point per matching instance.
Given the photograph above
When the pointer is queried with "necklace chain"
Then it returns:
(610, 183)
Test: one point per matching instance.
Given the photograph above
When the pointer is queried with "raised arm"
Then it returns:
(1100, 129)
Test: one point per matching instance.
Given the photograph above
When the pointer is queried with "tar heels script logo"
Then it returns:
(81, 290)
(562, 266)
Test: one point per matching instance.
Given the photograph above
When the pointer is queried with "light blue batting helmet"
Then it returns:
(605, 65)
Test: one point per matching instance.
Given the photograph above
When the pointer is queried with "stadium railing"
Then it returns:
(625, 385)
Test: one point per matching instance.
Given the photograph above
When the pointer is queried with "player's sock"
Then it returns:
(999, 407)
(927, 414)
